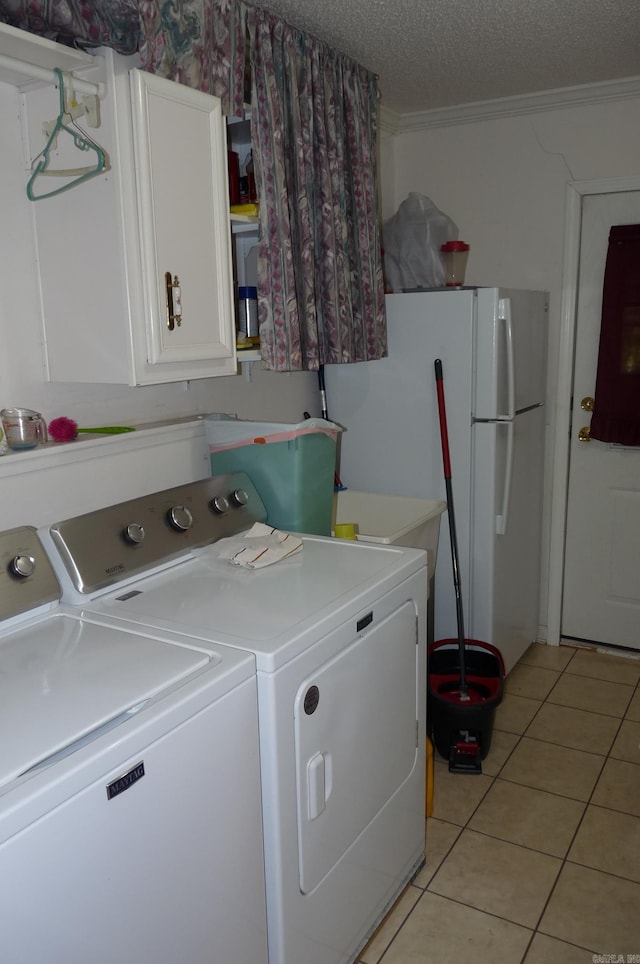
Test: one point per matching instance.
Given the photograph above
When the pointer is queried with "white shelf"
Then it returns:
(244, 355)
(234, 119)
(90, 446)
(33, 51)
(244, 222)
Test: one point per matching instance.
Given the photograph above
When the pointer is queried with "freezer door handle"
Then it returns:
(503, 519)
(504, 308)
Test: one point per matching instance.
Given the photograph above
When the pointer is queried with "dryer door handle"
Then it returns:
(318, 784)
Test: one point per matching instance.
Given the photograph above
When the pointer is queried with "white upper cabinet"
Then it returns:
(181, 168)
(135, 263)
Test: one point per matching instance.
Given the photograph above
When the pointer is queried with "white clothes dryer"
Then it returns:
(338, 632)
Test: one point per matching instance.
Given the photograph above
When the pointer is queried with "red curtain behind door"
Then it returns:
(616, 411)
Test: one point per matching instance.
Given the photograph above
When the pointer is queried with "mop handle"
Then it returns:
(444, 436)
(442, 415)
(323, 393)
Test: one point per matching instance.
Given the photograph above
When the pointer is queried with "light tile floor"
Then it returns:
(537, 859)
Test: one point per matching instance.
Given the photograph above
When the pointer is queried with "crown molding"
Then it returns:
(395, 122)
(389, 120)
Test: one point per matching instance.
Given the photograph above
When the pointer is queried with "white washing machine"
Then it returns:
(130, 819)
(338, 632)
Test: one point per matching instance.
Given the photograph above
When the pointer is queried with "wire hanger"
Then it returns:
(80, 139)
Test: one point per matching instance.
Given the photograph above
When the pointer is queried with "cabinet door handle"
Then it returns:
(174, 301)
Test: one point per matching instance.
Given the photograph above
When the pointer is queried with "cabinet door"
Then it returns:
(183, 214)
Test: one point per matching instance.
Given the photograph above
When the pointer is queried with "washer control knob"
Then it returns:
(180, 518)
(23, 566)
(239, 498)
(134, 533)
(219, 504)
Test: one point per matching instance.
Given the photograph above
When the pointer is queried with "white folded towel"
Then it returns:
(261, 546)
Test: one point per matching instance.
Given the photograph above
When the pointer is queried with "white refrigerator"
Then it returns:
(493, 347)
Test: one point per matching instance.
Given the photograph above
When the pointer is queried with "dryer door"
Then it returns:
(356, 739)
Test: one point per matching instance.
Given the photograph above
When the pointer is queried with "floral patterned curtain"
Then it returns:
(199, 43)
(320, 285)
(108, 23)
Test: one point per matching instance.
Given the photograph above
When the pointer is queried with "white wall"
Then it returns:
(252, 394)
(503, 181)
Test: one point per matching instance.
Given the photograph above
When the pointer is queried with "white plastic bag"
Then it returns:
(412, 239)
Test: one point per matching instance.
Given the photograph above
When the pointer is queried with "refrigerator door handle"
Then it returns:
(505, 314)
(503, 519)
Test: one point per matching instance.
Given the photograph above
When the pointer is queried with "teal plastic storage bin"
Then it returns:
(292, 467)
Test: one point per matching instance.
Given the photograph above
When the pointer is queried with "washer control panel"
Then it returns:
(27, 579)
(101, 548)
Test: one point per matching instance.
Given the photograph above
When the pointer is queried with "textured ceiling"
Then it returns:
(443, 53)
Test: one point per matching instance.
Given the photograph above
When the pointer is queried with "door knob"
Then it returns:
(587, 404)
(584, 435)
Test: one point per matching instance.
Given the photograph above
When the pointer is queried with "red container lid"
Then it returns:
(454, 246)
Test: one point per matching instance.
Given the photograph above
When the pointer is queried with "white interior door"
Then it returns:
(601, 596)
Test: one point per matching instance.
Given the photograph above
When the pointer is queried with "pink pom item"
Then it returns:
(63, 429)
